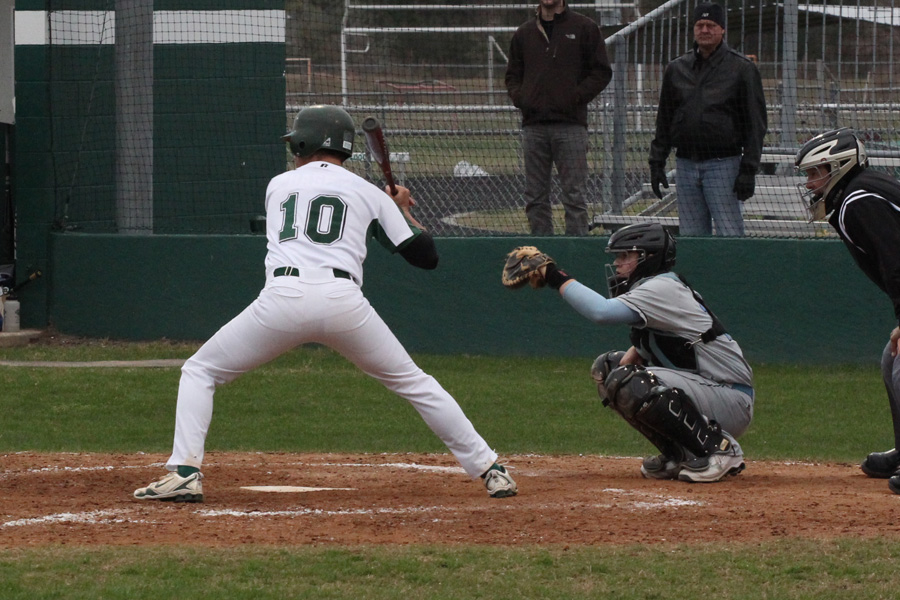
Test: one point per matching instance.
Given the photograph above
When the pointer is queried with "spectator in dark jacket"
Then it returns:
(863, 206)
(713, 111)
(557, 65)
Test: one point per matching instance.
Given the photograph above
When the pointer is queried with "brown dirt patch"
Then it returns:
(83, 499)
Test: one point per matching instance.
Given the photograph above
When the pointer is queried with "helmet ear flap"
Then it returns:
(297, 144)
(294, 141)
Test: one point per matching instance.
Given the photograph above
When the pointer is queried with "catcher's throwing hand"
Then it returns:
(525, 264)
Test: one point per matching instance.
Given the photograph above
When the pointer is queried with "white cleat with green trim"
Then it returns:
(173, 487)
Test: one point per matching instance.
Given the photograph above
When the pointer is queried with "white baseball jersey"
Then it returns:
(319, 216)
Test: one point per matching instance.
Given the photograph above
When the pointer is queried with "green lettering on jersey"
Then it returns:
(324, 220)
(325, 223)
(288, 214)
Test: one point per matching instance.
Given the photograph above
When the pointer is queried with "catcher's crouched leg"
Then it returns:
(625, 389)
(717, 454)
(673, 411)
(670, 419)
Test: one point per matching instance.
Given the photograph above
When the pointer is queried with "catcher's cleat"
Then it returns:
(716, 466)
(882, 464)
(894, 484)
(173, 487)
(660, 467)
(499, 482)
(712, 468)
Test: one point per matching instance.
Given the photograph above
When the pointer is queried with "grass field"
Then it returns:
(312, 400)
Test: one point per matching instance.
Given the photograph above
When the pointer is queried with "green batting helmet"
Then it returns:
(321, 127)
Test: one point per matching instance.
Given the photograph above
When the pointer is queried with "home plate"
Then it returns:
(292, 488)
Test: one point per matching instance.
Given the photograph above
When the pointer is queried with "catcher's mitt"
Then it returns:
(522, 266)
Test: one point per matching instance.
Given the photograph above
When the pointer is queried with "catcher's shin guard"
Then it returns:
(626, 389)
(673, 413)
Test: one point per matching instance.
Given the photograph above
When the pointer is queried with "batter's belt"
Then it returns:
(296, 272)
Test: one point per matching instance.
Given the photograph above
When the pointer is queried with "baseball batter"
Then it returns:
(318, 219)
(684, 383)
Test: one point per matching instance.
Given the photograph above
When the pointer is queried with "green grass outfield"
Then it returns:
(313, 400)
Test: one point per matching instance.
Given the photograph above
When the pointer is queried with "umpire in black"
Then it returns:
(863, 206)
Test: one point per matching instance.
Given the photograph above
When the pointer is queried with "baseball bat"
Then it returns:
(378, 149)
(4, 291)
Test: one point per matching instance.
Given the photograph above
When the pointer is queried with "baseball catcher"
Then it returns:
(863, 206)
(683, 383)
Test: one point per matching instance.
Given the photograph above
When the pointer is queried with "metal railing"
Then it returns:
(823, 66)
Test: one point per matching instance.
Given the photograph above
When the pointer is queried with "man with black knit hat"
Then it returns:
(713, 112)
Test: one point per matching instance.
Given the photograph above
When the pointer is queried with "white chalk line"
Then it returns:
(57, 364)
(391, 465)
(112, 517)
(229, 512)
(56, 469)
(101, 517)
(653, 500)
(410, 466)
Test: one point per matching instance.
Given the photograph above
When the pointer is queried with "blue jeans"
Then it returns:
(705, 191)
(564, 144)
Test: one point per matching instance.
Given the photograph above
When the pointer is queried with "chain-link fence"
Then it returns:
(170, 120)
(434, 74)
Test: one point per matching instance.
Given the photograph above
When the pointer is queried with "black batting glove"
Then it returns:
(658, 178)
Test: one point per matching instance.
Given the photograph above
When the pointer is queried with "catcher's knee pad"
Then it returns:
(601, 368)
(673, 413)
(627, 389)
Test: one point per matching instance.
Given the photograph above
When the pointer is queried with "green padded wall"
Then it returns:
(213, 154)
(785, 301)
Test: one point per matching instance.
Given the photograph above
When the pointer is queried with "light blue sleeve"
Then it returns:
(598, 308)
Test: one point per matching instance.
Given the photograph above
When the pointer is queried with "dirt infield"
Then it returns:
(427, 499)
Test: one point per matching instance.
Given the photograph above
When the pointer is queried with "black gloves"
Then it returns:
(744, 184)
(657, 178)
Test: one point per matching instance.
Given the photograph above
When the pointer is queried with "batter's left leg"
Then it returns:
(378, 353)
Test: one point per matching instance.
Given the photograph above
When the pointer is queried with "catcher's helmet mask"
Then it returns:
(321, 127)
(657, 254)
(843, 153)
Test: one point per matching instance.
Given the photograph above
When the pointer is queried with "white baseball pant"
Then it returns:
(316, 307)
